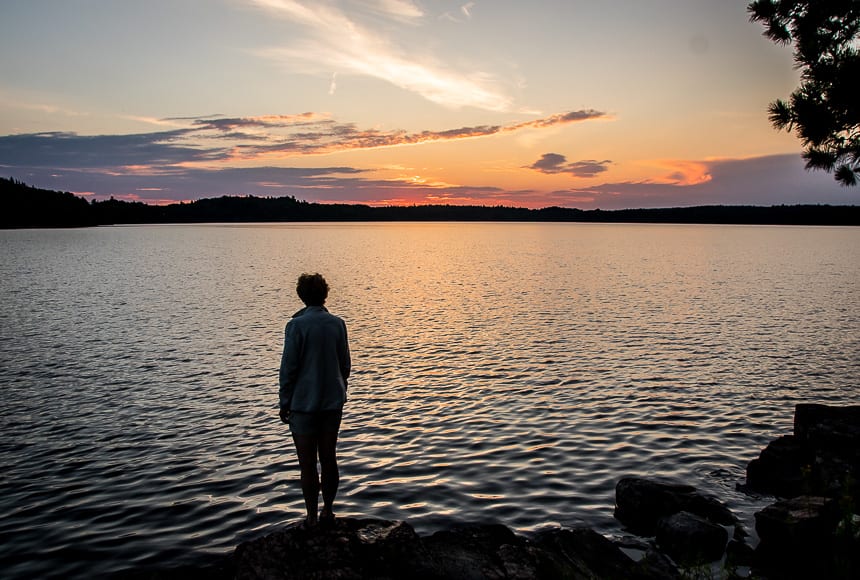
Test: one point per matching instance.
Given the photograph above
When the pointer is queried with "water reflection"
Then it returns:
(508, 372)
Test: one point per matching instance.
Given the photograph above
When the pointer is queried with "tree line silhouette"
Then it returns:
(25, 206)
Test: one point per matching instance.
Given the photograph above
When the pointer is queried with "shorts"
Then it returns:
(315, 423)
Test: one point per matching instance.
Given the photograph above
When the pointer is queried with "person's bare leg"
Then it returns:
(330, 473)
(306, 449)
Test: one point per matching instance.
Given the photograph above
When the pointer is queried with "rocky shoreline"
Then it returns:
(812, 530)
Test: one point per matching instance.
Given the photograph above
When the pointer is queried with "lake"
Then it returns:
(508, 372)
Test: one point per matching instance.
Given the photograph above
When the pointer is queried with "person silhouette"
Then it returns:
(315, 366)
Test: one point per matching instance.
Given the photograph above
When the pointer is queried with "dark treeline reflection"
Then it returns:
(25, 206)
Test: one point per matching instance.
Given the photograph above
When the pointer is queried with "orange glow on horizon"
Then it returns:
(681, 172)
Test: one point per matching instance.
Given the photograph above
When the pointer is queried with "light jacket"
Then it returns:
(315, 363)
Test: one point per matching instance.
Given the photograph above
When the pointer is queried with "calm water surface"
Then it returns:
(503, 372)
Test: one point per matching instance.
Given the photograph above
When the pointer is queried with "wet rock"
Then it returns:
(655, 566)
(648, 557)
(641, 503)
(739, 554)
(690, 539)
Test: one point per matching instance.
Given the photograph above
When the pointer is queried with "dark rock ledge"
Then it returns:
(383, 549)
(812, 533)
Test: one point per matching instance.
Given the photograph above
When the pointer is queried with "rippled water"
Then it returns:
(505, 372)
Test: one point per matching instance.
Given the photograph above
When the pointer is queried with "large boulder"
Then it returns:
(475, 552)
(494, 551)
(641, 503)
(796, 525)
(806, 537)
(691, 540)
(783, 468)
(834, 434)
(821, 458)
(827, 426)
(367, 548)
(583, 553)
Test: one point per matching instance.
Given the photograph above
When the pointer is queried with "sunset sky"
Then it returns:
(612, 104)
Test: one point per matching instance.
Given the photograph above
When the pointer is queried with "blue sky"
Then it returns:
(580, 104)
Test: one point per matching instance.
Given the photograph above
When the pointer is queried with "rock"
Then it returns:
(802, 536)
(583, 553)
(690, 539)
(472, 552)
(825, 426)
(783, 467)
(656, 565)
(797, 524)
(739, 554)
(796, 535)
(352, 548)
(648, 557)
(834, 435)
(380, 549)
(821, 458)
(641, 503)
(519, 561)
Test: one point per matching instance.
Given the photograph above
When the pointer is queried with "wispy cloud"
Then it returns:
(557, 163)
(322, 135)
(462, 15)
(176, 123)
(218, 123)
(27, 103)
(400, 9)
(332, 41)
(217, 140)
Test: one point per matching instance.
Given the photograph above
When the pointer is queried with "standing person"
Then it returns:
(314, 369)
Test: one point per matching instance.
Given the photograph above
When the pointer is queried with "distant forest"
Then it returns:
(30, 207)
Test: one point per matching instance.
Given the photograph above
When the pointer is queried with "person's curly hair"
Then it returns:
(312, 289)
